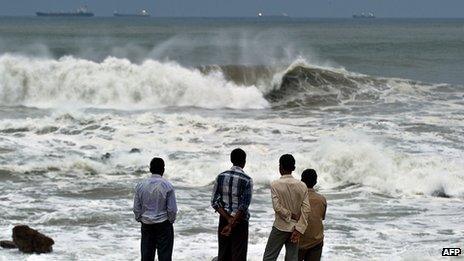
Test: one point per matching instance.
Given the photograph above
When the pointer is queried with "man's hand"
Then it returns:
(227, 230)
(225, 215)
(230, 220)
(295, 238)
(296, 216)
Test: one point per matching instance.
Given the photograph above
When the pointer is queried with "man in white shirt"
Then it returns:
(291, 206)
(155, 208)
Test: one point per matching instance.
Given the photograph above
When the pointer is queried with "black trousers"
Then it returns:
(157, 237)
(312, 254)
(235, 246)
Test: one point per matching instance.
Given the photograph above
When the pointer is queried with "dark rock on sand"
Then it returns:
(7, 244)
(30, 240)
(134, 150)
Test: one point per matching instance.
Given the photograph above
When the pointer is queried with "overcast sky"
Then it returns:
(205, 8)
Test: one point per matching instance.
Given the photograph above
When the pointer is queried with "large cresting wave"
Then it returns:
(118, 83)
(305, 84)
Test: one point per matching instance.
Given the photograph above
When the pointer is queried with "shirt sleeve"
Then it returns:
(137, 208)
(245, 199)
(216, 199)
(305, 212)
(280, 210)
(325, 209)
(171, 205)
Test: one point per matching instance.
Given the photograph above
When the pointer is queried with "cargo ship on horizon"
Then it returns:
(142, 13)
(364, 15)
(282, 16)
(81, 12)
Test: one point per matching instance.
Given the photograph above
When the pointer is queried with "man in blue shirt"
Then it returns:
(155, 207)
(231, 198)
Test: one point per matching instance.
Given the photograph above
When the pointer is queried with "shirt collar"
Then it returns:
(237, 169)
(311, 189)
(156, 175)
(289, 176)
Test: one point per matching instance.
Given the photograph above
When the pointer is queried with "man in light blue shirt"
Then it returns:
(155, 207)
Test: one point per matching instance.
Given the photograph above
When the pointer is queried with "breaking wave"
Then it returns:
(118, 83)
(349, 158)
(304, 84)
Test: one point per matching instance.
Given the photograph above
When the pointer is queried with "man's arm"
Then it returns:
(284, 213)
(216, 201)
(216, 197)
(245, 200)
(225, 214)
(300, 227)
(325, 209)
(171, 205)
(137, 208)
(305, 211)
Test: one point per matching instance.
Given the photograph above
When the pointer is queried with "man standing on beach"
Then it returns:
(231, 198)
(313, 239)
(156, 208)
(291, 206)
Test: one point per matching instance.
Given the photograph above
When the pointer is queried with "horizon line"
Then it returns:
(248, 17)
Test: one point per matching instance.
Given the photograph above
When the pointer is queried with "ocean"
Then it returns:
(375, 106)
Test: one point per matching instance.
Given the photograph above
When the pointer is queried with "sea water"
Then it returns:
(375, 106)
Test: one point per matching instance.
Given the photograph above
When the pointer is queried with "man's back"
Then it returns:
(155, 201)
(288, 195)
(315, 231)
(232, 191)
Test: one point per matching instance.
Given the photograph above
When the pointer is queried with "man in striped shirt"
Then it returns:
(231, 198)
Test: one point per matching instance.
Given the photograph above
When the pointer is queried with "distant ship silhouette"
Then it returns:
(364, 15)
(81, 12)
(273, 16)
(142, 13)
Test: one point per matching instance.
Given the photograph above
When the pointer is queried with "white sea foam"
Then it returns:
(194, 143)
(117, 83)
(351, 157)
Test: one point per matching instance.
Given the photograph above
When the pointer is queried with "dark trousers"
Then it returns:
(277, 239)
(235, 246)
(311, 254)
(157, 237)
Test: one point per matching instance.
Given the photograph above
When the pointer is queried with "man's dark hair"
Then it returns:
(157, 166)
(309, 177)
(238, 157)
(287, 162)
